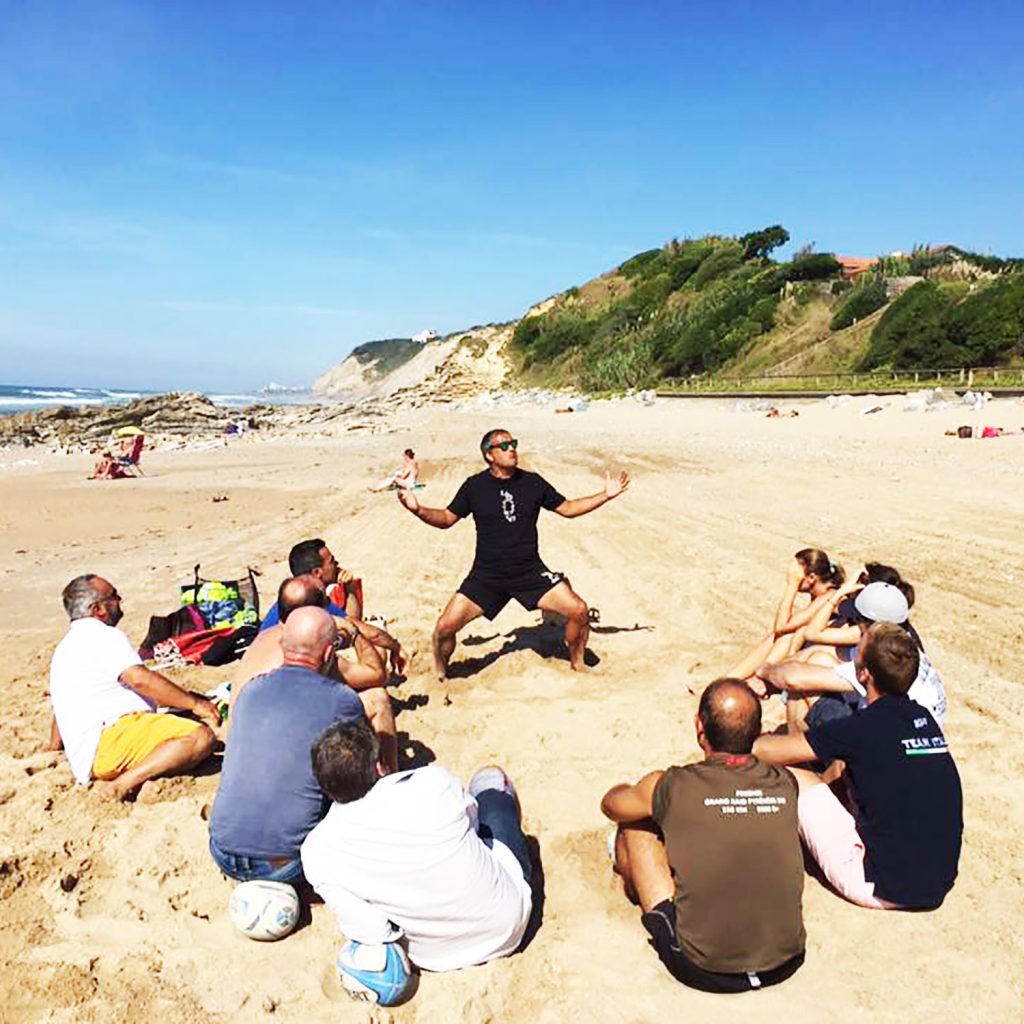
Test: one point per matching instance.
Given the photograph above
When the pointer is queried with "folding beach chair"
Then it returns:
(130, 462)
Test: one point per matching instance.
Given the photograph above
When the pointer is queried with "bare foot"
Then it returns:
(108, 791)
(154, 790)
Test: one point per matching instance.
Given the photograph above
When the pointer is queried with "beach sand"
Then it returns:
(117, 913)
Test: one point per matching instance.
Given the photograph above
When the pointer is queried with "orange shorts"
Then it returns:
(132, 738)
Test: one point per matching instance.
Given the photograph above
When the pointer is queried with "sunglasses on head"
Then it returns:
(505, 445)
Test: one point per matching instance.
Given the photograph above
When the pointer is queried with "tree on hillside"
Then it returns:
(757, 244)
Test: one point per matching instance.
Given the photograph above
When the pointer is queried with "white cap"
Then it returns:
(882, 602)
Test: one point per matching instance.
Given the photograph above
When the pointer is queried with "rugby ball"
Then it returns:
(264, 911)
(378, 973)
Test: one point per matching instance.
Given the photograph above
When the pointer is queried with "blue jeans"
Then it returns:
(248, 869)
(499, 820)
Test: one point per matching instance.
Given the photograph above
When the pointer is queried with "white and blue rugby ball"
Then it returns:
(378, 973)
(264, 911)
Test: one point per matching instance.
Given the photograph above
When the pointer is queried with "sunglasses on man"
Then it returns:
(505, 445)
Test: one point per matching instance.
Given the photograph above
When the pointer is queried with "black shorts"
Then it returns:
(493, 592)
(661, 924)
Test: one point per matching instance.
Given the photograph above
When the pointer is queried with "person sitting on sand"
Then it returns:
(833, 629)
(820, 688)
(711, 854)
(366, 675)
(104, 702)
(414, 855)
(268, 800)
(408, 476)
(109, 467)
(810, 572)
(505, 503)
(315, 558)
(344, 593)
(898, 844)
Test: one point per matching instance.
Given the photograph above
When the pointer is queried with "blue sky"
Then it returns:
(216, 195)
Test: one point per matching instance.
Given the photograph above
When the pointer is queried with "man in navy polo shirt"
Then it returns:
(897, 845)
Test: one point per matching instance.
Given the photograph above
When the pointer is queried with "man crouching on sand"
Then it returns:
(505, 503)
(104, 701)
(711, 853)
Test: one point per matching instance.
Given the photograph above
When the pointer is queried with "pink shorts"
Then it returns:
(829, 831)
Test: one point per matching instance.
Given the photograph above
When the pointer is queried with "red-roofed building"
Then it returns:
(854, 266)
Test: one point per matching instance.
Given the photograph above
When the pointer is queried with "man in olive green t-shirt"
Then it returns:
(711, 853)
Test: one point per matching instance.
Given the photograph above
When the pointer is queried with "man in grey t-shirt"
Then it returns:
(710, 851)
(268, 800)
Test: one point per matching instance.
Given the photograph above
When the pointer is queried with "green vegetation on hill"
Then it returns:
(388, 354)
(929, 325)
(719, 305)
(862, 300)
(690, 307)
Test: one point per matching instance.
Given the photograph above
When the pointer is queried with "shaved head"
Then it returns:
(308, 635)
(300, 592)
(730, 716)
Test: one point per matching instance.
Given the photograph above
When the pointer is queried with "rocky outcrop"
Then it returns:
(172, 415)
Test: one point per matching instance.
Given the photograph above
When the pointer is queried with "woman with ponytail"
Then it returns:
(811, 572)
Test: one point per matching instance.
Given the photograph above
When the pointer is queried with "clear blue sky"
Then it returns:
(217, 195)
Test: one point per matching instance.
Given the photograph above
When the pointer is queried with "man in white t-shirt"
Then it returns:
(413, 854)
(104, 701)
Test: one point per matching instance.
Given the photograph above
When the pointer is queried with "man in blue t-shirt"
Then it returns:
(898, 844)
(315, 558)
(505, 503)
(268, 800)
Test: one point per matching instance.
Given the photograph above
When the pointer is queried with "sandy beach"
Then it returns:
(117, 913)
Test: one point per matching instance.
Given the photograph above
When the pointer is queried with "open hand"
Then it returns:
(614, 486)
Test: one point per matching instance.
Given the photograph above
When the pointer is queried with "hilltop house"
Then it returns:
(854, 266)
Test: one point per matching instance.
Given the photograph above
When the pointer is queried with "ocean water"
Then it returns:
(22, 398)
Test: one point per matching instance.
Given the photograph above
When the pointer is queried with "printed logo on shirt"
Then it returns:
(918, 745)
(743, 800)
(552, 577)
(508, 506)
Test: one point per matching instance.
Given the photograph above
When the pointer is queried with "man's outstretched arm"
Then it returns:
(442, 518)
(613, 487)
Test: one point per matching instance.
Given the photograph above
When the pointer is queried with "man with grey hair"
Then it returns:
(104, 702)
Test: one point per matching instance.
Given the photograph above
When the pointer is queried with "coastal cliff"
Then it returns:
(402, 371)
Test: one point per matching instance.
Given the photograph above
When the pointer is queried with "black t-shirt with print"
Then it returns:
(907, 791)
(505, 512)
